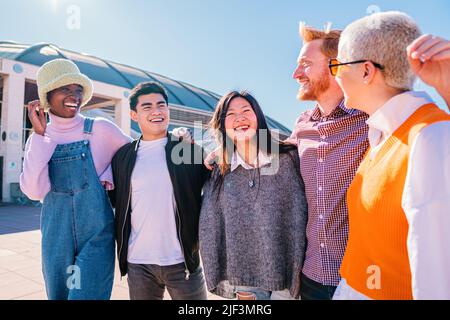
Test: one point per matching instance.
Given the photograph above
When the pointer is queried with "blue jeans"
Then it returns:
(311, 290)
(262, 294)
(148, 282)
(77, 225)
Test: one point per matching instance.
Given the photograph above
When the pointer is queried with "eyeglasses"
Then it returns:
(334, 64)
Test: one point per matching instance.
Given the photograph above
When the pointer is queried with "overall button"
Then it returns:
(85, 142)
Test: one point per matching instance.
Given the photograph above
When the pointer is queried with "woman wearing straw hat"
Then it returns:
(66, 167)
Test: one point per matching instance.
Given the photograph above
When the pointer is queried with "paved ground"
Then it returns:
(20, 257)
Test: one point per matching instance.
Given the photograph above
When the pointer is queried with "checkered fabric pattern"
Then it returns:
(330, 149)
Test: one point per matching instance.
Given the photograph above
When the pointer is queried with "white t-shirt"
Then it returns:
(153, 238)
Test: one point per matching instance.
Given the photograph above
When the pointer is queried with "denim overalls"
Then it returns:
(77, 224)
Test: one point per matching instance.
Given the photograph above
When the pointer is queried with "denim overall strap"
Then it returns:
(88, 124)
(77, 224)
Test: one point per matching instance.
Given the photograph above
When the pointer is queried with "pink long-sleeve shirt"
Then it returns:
(105, 140)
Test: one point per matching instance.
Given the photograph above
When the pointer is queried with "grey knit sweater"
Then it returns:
(254, 236)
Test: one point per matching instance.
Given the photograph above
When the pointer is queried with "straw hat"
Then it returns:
(59, 73)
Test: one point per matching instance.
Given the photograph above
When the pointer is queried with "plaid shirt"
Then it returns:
(331, 149)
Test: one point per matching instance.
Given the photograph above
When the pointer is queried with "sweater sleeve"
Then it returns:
(34, 179)
(107, 178)
(211, 235)
(114, 139)
(299, 209)
(111, 134)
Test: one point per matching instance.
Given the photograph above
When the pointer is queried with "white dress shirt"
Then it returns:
(261, 161)
(425, 200)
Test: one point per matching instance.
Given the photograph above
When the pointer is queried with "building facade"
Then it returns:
(190, 106)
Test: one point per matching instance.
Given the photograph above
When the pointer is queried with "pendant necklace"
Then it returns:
(251, 179)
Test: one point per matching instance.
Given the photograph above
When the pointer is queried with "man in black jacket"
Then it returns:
(158, 182)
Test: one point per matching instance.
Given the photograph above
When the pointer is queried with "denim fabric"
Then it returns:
(77, 225)
(261, 294)
(148, 282)
(311, 290)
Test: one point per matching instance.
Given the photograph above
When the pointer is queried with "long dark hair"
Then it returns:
(265, 142)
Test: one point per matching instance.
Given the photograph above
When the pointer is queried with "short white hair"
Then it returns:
(383, 38)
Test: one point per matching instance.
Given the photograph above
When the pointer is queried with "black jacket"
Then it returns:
(187, 173)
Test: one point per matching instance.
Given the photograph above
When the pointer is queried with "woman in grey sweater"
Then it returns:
(254, 212)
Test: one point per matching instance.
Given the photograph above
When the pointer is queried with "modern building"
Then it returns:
(190, 106)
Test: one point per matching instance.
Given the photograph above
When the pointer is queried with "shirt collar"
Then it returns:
(387, 119)
(339, 111)
(236, 161)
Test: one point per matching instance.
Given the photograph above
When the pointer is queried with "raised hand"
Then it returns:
(213, 158)
(429, 57)
(184, 134)
(37, 117)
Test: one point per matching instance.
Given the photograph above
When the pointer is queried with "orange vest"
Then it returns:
(376, 260)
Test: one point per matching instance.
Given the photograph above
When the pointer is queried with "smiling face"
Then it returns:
(153, 116)
(312, 72)
(65, 101)
(240, 120)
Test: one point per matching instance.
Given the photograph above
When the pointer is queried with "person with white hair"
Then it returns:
(399, 200)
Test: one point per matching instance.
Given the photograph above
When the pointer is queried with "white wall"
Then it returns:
(12, 125)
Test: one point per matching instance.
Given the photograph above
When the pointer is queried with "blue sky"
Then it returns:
(219, 45)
